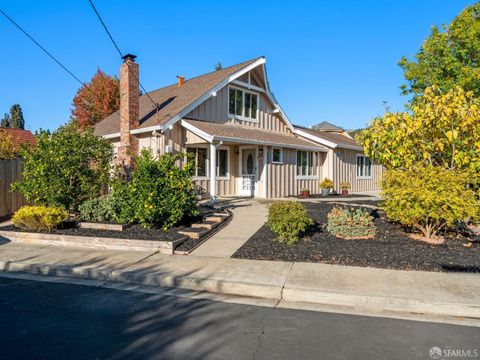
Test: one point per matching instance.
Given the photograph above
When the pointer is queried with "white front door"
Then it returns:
(248, 171)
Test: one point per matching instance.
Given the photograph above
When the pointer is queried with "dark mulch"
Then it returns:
(134, 232)
(390, 249)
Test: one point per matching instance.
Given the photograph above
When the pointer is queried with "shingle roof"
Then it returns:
(19, 136)
(339, 139)
(172, 100)
(326, 126)
(226, 131)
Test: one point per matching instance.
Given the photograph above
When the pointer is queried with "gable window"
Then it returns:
(242, 103)
(305, 163)
(277, 155)
(222, 162)
(200, 158)
(364, 167)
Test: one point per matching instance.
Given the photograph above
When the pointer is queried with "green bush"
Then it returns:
(101, 209)
(288, 220)
(65, 168)
(350, 223)
(428, 198)
(39, 217)
(158, 191)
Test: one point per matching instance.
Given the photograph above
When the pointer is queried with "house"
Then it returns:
(242, 141)
(19, 136)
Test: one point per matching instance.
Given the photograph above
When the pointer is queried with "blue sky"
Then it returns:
(326, 60)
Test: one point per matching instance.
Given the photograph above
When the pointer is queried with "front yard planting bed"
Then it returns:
(391, 248)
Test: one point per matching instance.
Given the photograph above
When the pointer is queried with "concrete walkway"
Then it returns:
(248, 217)
(365, 290)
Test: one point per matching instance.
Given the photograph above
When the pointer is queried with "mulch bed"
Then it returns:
(390, 249)
(134, 232)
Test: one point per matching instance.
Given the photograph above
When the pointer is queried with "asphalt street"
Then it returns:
(43, 320)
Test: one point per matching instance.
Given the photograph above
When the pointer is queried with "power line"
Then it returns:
(120, 52)
(42, 48)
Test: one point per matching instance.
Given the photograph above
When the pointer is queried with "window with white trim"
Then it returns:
(306, 163)
(277, 155)
(200, 158)
(222, 162)
(242, 103)
(364, 167)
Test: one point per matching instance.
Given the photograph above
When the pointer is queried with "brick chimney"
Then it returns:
(129, 109)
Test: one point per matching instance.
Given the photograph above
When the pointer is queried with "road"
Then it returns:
(42, 320)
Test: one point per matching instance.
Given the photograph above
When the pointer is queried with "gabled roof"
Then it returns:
(19, 136)
(326, 126)
(330, 139)
(175, 102)
(228, 132)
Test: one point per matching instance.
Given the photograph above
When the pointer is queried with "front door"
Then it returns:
(248, 171)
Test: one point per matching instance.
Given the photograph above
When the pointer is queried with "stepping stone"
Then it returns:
(194, 233)
(206, 225)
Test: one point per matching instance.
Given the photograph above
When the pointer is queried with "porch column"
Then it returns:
(213, 172)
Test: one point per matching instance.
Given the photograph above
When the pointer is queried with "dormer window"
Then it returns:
(242, 104)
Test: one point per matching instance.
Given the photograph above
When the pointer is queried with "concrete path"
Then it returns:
(365, 290)
(248, 217)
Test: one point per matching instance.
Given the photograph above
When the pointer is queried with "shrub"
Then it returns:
(65, 168)
(101, 209)
(428, 198)
(158, 192)
(326, 184)
(39, 217)
(350, 223)
(288, 220)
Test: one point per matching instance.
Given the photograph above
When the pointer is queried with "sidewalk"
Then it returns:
(363, 289)
(248, 216)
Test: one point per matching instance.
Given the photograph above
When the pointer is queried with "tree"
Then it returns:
(16, 117)
(442, 129)
(5, 122)
(449, 57)
(96, 100)
(8, 150)
(65, 167)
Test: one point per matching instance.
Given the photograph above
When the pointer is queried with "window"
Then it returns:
(242, 103)
(364, 167)
(199, 156)
(277, 155)
(306, 161)
(222, 163)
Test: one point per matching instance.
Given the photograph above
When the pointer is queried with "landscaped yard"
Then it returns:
(391, 247)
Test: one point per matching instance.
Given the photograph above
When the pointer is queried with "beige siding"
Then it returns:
(216, 109)
(345, 169)
(282, 180)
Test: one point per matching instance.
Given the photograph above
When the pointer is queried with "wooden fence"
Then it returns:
(10, 171)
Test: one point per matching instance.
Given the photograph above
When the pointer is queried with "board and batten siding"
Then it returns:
(282, 178)
(10, 172)
(345, 170)
(215, 109)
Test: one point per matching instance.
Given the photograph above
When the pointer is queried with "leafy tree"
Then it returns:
(65, 167)
(16, 117)
(449, 57)
(8, 150)
(96, 100)
(442, 129)
(5, 122)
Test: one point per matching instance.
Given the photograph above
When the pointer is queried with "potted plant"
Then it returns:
(326, 185)
(304, 193)
(344, 186)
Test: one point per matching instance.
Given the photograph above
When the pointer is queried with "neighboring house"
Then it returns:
(19, 136)
(242, 141)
